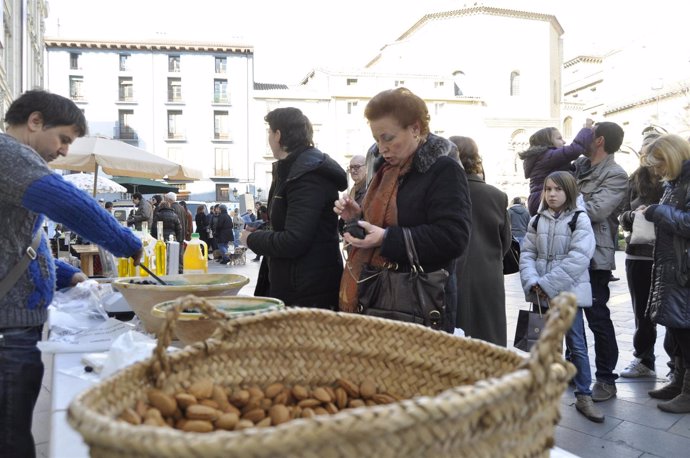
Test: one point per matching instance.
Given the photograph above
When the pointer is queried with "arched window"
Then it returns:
(568, 127)
(514, 83)
(459, 82)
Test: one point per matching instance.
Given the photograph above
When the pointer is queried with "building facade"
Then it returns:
(187, 102)
(21, 48)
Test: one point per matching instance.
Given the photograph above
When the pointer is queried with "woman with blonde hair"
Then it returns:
(416, 186)
(669, 298)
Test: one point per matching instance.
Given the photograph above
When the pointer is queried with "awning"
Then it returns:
(144, 185)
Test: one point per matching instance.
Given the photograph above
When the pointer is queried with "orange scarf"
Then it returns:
(380, 209)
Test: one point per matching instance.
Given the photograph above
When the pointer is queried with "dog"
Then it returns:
(239, 257)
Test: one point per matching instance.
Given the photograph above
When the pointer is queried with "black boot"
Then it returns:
(674, 388)
(681, 403)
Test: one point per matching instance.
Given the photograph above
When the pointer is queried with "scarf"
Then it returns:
(380, 208)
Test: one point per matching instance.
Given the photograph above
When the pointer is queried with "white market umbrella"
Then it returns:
(115, 157)
(85, 182)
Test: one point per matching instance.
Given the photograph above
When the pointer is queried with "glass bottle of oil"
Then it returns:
(160, 250)
(146, 260)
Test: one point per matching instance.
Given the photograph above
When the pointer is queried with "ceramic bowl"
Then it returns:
(142, 297)
(193, 326)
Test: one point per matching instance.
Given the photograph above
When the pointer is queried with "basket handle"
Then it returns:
(161, 363)
(549, 348)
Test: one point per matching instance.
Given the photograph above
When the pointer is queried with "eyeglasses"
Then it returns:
(354, 168)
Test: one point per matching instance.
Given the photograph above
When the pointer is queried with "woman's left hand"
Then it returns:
(78, 278)
(372, 239)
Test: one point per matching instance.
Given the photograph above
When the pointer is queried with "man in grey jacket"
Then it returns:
(603, 184)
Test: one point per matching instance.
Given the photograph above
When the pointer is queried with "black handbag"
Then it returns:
(529, 327)
(414, 297)
(511, 260)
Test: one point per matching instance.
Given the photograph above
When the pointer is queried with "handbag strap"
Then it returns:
(20, 267)
(411, 251)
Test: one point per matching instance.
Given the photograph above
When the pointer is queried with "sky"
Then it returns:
(290, 37)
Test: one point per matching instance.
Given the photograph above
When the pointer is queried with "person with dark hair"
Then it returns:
(40, 128)
(156, 200)
(189, 221)
(202, 224)
(109, 207)
(481, 305)
(548, 153)
(519, 218)
(644, 189)
(223, 233)
(417, 185)
(143, 212)
(302, 264)
(603, 185)
(171, 223)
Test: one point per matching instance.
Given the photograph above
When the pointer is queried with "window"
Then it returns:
(515, 83)
(74, 61)
(351, 81)
(124, 62)
(175, 124)
(438, 84)
(221, 65)
(399, 83)
(221, 125)
(438, 108)
(351, 107)
(174, 64)
(458, 82)
(125, 123)
(221, 167)
(126, 85)
(174, 89)
(76, 87)
(568, 127)
(220, 91)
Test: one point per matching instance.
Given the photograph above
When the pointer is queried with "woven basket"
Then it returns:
(468, 397)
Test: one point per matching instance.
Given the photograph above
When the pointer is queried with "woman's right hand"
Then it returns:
(347, 208)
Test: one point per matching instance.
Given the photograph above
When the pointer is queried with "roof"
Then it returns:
(473, 11)
(269, 86)
(584, 60)
(147, 45)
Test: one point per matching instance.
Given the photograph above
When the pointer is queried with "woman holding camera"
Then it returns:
(418, 184)
(302, 264)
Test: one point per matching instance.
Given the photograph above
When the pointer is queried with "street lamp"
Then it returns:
(234, 192)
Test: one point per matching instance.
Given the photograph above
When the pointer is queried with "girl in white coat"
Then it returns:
(555, 257)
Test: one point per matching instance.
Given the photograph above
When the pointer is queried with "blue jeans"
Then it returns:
(575, 341)
(599, 321)
(21, 373)
(236, 233)
(223, 248)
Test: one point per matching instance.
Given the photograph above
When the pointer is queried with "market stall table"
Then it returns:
(86, 254)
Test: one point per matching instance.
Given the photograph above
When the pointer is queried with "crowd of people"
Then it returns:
(413, 191)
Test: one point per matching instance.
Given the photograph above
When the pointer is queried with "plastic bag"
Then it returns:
(127, 349)
(77, 308)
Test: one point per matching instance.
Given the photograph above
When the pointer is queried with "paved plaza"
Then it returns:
(634, 426)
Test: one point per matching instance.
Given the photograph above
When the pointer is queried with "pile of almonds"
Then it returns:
(206, 407)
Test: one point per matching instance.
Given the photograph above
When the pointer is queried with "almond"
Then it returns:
(331, 408)
(382, 398)
(320, 411)
(350, 388)
(300, 392)
(232, 409)
(141, 408)
(282, 398)
(367, 389)
(220, 397)
(201, 412)
(130, 416)
(227, 421)
(244, 424)
(255, 392)
(322, 395)
(264, 423)
(279, 414)
(198, 426)
(185, 400)
(309, 402)
(308, 413)
(210, 403)
(274, 389)
(354, 403)
(341, 397)
(240, 398)
(165, 403)
(202, 389)
(255, 415)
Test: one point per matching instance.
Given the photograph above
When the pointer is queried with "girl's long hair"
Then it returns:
(567, 182)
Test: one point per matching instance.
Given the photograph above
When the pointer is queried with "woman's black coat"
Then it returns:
(223, 232)
(171, 224)
(302, 264)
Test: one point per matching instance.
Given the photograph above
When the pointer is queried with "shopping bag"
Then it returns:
(528, 328)
(642, 230)
(511, 260)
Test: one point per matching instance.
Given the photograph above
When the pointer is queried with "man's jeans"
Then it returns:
(21, 373)
(599, 321)
(576, 342)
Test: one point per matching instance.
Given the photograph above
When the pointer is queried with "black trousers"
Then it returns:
(639, 275)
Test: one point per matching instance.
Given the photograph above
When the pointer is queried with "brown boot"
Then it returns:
(681, 403)
(674, 388)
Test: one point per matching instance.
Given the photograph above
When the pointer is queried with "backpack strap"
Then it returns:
(535, 222)
(573, 222)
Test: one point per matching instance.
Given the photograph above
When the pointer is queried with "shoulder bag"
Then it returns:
(414, 297)
(511, 260)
